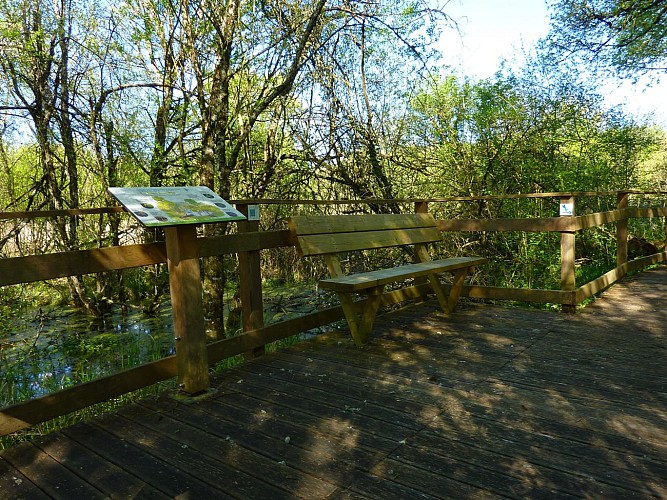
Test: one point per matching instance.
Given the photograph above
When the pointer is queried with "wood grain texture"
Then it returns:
(32, 268)
(361, 281)
(250, 282)
(320, 244)
(187, 307)
(540, 225)
(23, 415)
(328, 224)
(331, 235)
(490, 402)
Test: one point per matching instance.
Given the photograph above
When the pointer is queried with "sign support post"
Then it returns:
(187, 308)
(179, 210)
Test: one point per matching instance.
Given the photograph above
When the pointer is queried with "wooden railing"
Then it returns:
(569, 295)
(249, 242)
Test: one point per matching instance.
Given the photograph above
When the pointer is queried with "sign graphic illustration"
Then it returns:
(172, 206)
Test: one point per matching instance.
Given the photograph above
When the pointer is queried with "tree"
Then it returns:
(359, 86)
(36, 56)
(534, 130)
(630, 36)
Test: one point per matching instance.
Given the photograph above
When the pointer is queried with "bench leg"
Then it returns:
(448, 304)
(459, 278)
(369, 312)
(360, 328)
(439, 292)
(349, 309)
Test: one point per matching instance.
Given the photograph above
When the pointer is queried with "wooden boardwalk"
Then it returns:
(492, 402)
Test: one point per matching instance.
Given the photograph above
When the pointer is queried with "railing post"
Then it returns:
(250, 282)
(421, 207)
(187, 308)
(622, 231)
(567, 254)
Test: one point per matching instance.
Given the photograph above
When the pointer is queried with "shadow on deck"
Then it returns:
(489, 402)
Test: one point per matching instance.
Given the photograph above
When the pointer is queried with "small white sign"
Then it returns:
(253, 212)
(566, 209)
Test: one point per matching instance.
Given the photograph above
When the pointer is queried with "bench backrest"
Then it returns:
(331, 234)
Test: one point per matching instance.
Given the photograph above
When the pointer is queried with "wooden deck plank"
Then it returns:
(391, 358)
(387, 423)
(312, 373)
(328, 439)
(394, 471)
(347, 383)
(322, 454)
(109, 478)
(348, 399)
(13, 484)
(488, 402)
(449, 470)
(513, 473)
(539, 447)
(214, 473)
(275, 470)
(48, 475)
(159, 474)
(566, 426)
(415, 394)
(414, 401)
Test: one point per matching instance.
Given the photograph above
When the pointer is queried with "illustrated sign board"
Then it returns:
(172, 206)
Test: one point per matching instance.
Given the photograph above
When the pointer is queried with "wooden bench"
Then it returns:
(329, 236)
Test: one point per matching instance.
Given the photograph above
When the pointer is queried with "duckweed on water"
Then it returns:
(43, 350)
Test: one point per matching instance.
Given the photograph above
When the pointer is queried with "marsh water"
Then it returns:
(46, 349)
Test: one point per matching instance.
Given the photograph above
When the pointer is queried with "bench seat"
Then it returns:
(358, 282)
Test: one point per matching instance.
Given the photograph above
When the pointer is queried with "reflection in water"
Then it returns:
(43, 351)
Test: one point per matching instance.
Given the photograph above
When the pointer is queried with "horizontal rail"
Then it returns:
(649, 260)
(243, 242)
(598, 219)
(36, 214)
(550, 224)
(648, 212)
(76, 212)
(536, 295)
(16, 270)
(23, 415)
(606, 280)
(516, 196)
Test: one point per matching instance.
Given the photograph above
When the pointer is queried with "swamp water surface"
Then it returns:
(43, 350)
(47, 349)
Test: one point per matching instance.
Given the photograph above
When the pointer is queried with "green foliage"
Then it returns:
(629, 36)
(84, 414)
(524, 132)
(245, 101)
(83, 345)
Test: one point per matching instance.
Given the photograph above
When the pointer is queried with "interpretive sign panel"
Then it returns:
(172, 206)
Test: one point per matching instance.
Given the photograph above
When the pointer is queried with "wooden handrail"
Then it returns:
(36, 214)
(251, 242)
